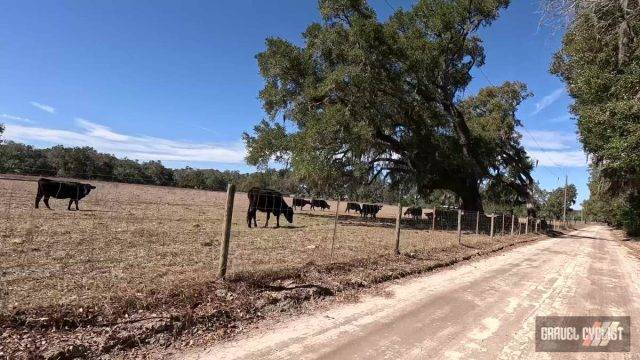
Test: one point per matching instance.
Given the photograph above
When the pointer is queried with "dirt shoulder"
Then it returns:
(215, 310)
(632, 243)
(478, 309)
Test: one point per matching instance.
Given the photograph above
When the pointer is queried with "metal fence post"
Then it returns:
(513, 220)
(460, 226)
(397, 247)
(477, 222)
(226, 231)
(493, 218)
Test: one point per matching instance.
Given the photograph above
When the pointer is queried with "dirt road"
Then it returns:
(480, 310)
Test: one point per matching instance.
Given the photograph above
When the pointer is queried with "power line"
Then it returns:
(389, 5)
(529, 133)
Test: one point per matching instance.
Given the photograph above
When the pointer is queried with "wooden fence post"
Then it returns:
(397, 247)
(460, 226)
(513, 220)
(433, 223)
(536, 226)
(477, 222)
(335, 228)
(226, 231)
(502, 232)
(526, 226)
(493, 218)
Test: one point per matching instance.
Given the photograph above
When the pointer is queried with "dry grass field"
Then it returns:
(134, 239)
(131, 245)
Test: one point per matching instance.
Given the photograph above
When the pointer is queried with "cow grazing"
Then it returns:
(301, 203)
(73, 191)
(353, 206)
(319, 203)
(370, 209)
(414, 211)
(269, 201)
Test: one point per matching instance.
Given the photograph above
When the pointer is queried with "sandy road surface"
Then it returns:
(480, 310)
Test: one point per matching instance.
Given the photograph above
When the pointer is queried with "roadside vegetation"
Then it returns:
(600, 63)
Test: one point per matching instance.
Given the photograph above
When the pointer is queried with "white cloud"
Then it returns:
(14, 117)
(573, 158)
(560, 119)
(142, 148)
(546, 101)
(100, 131)
(43, 107)
(554, 148)
(549, 140)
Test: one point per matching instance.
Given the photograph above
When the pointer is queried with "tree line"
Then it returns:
(87, 163)
(600, 63)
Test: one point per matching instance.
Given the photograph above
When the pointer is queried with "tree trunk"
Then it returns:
(471, 200)
(466, 187)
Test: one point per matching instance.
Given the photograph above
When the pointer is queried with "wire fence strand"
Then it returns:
(128, 237)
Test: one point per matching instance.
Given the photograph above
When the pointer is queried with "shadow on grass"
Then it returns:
(285, 227)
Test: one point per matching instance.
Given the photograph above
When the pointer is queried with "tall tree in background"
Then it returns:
(363, 99)
(600, 62)
(553, 207)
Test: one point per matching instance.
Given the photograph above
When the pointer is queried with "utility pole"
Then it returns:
(564, 208)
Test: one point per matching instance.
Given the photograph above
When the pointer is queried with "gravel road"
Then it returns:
(483, 309)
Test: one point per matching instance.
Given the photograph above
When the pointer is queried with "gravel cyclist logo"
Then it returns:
(583, 333)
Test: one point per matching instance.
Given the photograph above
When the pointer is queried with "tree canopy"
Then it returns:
(363, 99)
(600, 63)
(553, 206)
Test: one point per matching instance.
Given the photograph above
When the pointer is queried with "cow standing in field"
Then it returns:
(353, 206)
(269, 201)
(301, 203)
(319, 203)
(414, 211)
(73, 191)
(370, 209)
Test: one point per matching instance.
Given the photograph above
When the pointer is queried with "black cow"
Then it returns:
(73, 191)
(414, 211)
(319, 203)
(269, 201)
(301, 203)
(370, 209)
(353, 206)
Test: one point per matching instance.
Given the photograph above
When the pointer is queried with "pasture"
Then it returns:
(133, 243)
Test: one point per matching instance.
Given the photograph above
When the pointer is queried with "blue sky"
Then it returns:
(178, 81)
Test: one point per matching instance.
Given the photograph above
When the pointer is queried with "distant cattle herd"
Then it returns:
(260, 199)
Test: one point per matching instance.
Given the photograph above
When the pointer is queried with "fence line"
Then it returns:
(126, 225)
(440, 219)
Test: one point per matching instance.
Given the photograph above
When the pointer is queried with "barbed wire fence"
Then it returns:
(124, 239)
(333, 232)
(123, 226)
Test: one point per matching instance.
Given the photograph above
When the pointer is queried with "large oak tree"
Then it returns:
(363, 98)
